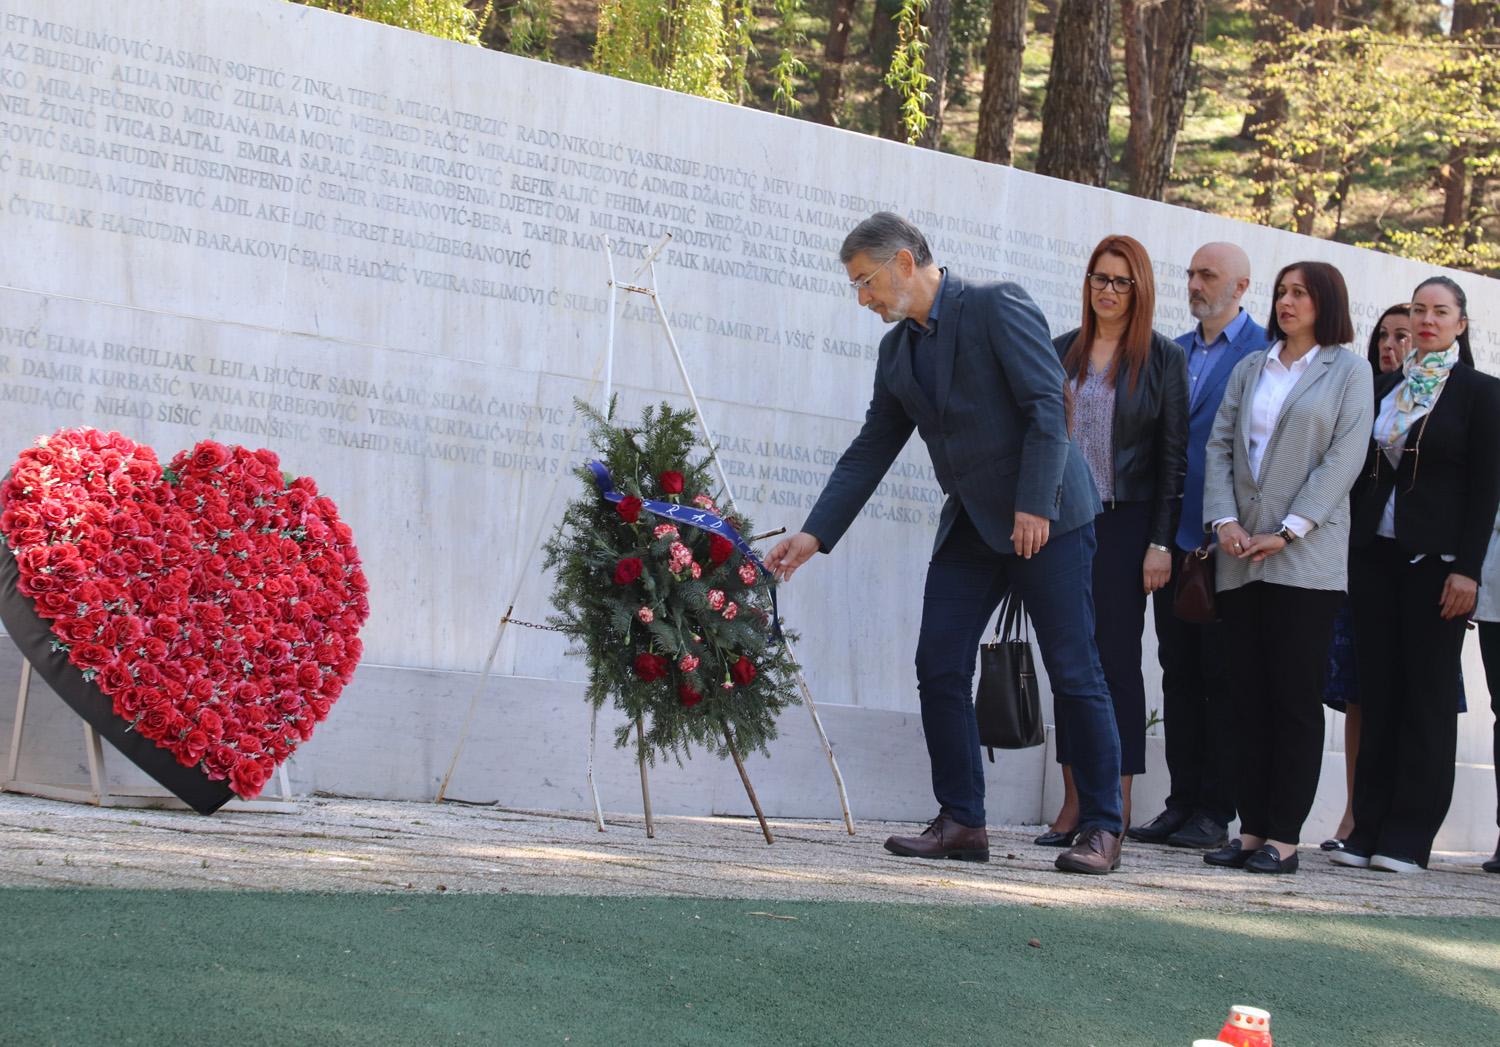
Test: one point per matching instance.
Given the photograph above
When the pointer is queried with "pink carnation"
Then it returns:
(716, 599)
(646, 615)
(730, 610)
(661, 530)
(687, 663)
(747, 574)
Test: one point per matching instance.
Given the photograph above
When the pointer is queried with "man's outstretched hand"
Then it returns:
(791, 553)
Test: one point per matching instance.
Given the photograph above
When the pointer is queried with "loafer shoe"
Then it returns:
(1056, 839)
(1159, 828)
(1200, 833)
(944, 838)
(1350, 859)
(1392, 864)
(1231, 856)
(1269, 860)
(1097, 852)
(1333, 843)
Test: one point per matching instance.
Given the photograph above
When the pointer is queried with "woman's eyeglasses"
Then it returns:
(1121, 284)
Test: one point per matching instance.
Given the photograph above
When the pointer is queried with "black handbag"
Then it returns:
(1193, 599)
(1007, 703)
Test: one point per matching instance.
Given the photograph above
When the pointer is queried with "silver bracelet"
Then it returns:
(1159, 548)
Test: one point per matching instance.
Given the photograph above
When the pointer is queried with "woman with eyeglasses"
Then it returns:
(1424, 509)
(1286, 447)
(1390, 341)
(1128, 388)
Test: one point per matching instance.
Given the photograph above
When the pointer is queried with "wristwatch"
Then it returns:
(1287, 535)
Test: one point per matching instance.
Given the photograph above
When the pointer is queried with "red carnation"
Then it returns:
(719, 548)
(689, 696)
(743, 671)
(628, 570)
(629, 508)
(670, 482)
(650, 667)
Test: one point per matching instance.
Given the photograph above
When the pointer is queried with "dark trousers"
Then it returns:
(1489, 650)
(1408, 666)
(1119, 618)
(1277, 640)
(965, 581)
(1196, 710)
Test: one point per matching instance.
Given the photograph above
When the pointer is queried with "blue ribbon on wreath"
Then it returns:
(703, 520)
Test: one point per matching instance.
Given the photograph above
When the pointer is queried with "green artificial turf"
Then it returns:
(227, 968)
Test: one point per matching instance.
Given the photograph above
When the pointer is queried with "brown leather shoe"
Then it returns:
(1097, 851)
(944, 838)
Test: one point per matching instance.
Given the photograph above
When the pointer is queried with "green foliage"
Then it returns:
(665, 612)
(692, 46)
(447, 19)
(789, 68)
(528, 27)
(907, 75)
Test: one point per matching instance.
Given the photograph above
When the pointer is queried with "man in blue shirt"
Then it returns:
(1200, 805)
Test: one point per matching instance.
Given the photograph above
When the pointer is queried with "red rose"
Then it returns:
(670, 482)
(719, 548)
(628, 570)
(629, 508)
(209, 455)
(743, 671)
(650, 667)
(689, 696)
(249, 777)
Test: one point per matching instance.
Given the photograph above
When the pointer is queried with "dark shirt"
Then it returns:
(923, 363)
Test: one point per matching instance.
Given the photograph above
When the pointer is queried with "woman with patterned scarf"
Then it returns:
(1423, 510)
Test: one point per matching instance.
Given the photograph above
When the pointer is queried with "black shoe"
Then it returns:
(1159, 828)
(1051, 838)
(1200, 832)
(1231, 856)
(1267, 860)
(1333, 843)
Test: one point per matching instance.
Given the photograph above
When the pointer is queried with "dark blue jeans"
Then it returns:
(965, 581)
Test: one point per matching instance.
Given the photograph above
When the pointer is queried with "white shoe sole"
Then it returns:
(1394, 865)
(1349, 859)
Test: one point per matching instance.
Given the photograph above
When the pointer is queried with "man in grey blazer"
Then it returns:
(971, 367)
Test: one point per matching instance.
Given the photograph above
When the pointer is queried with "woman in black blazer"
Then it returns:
(1128, 391)
(1422, 510)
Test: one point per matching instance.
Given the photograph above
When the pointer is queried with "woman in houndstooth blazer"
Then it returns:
(1287, 445)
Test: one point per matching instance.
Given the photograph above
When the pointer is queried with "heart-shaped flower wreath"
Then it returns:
(216, 604)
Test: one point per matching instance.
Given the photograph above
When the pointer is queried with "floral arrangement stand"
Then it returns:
(644, 746)
(202, 618)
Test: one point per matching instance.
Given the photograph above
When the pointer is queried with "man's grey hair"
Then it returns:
(882, 235)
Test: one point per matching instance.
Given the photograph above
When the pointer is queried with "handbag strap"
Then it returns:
(1012, 624)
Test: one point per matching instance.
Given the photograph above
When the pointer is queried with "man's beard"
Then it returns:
(1207, 308)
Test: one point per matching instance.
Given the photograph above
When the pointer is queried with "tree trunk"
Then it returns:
(1075, 116)
(1267, 107)
(1182, 21)
(1136, 31)
(1453, 176)
(1324, 14)
(1046, 18)
(882, 46)
(1000, 100)
(939, 21)
(835, 52)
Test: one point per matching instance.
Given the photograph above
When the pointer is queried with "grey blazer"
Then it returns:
(1315, 453)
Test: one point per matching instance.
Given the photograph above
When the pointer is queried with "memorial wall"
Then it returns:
(382, 255)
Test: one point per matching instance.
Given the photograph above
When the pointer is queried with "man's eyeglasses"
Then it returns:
(1121, 284)
(859, 285)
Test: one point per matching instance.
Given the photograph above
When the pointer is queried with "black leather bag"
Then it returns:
(1193, 599)
(1007, 702)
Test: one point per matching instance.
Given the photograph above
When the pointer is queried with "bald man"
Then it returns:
(1200, 805)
